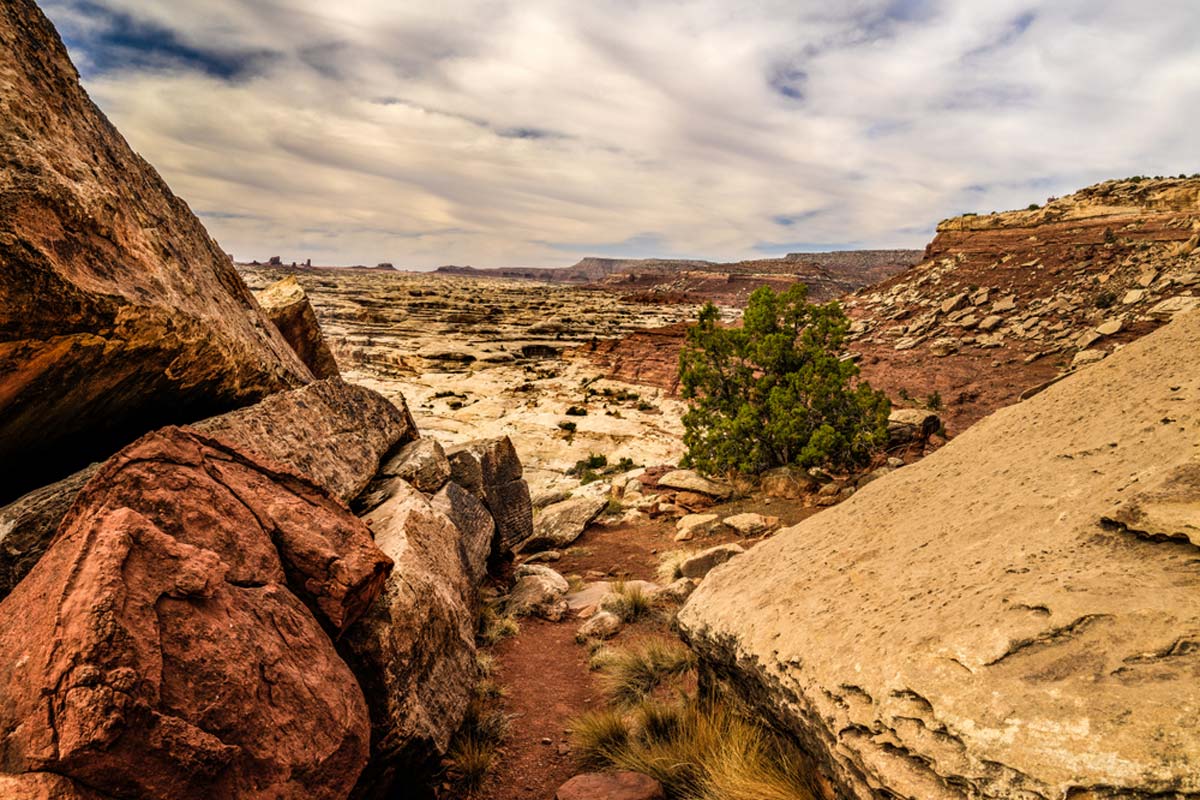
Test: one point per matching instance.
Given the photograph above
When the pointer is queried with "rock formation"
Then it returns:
(118, 313)
(287, 306)
(414, 651)
(1015, 615)
(330, 432)
(171, 642)
(491, 469)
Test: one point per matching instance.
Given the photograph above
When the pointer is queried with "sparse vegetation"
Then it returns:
(492, 626)
(1032, 207)
(568, 426)
(629, 602)
(577, 411)
(670, 563)
(776, 391)
(698, 750)
(934, 401)
(473, 749)
(630, 674)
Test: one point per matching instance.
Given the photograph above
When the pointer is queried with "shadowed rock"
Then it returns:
(118, 312)
(473, 521)
(492, 470)
(166, 645)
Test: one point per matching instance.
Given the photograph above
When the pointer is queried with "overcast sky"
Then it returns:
(534, 132)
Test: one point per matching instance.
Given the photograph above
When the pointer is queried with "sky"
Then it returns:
(536, 132)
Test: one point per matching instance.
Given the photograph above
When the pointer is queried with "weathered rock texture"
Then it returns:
(171, 641)
(330, 432)
(971, 626)
(499, 484)
(287, 306)
(118, 313)
(414, 650)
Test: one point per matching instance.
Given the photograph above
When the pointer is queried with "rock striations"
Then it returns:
(118, 313)
(1017, 615)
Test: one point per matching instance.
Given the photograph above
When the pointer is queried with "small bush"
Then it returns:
(934, 401)
(1106, 299)
(645, 406)
(474, 746)
(1033, 207)
(576, 411)
(567, 426)
(600, 737)
(492, 627)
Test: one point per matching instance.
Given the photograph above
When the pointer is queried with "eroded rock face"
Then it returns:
(422, 463)
(1014, 615)
(166, 644)
(414, 650)
(118, 313)
(287, 306)
(28, 524)
(499, 484)
(474, 523)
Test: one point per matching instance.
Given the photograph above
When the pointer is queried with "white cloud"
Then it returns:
(528, 133)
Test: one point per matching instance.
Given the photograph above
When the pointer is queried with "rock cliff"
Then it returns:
(1016, 615)
(118, 313)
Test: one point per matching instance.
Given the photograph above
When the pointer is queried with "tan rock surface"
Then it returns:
(118, 313)
(970, 626)
(288, 308)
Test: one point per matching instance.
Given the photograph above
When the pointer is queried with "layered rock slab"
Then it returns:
(171, 641)
(1016, 615)
(118, 313)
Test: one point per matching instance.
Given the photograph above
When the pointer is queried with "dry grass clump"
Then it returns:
(631, 674)
(473, 749)
(699, 751)
(628, 602)
(492, 626)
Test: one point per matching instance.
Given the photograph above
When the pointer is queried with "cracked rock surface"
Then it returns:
(1016, 615)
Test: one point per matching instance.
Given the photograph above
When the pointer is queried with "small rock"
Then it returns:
(560, 524)
(954, 303)
(990, 322)
(1004, 304)
(696, 523)
(679, 591)
(788, 483)
(422, 463)
(539, 591)
(702, 563)
(751, 524)
(611, 786)
(1111, 327)
(1133, 296)
(602, 625)
(1085, 357)
(687, 480)
(1087, 339)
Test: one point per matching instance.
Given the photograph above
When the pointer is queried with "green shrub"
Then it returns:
(775, 391)
(576, 411)
(1105, 299)
(568, 426)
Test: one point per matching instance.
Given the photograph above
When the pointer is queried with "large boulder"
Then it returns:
(118, 312)
(560, 524)
(492, 469)
(1013, 616)
(911, 425)
(175, 639)
(686, 480)
(422, 463)
(414, 650)
(288, 308)
(330, 432)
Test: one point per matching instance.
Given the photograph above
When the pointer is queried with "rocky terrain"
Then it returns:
(1005, 302)
(479, 357)
(1036, 637)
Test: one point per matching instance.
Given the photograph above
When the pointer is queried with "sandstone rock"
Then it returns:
(1110, 327)
(751, 524)
(1167, 309)
(474, 523)
(1085, 357)
(788, 483)
(164, 646)
(601, 625)
(43, 786)
(703, 562)
(980, 594)
(331, 432)
(414, 650)
(422, 463)
(943, 346)
(287, 306)
(1004, 304)
(1133, 296)
(561, 524)
(954, 303)
(588, 597)
(911, 424)
(687, 480)
(119, 313)
(539, 591)
(990, 322)
(693, 501)
(1088, 338)
(677, 591)
(611, 786)
(499, 484)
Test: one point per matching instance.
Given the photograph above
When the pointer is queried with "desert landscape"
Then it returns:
(782, 523)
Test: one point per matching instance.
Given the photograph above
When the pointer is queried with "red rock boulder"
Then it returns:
(173, 640)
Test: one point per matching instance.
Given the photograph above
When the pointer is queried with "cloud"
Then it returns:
(498, 132)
